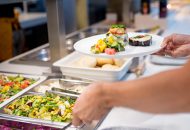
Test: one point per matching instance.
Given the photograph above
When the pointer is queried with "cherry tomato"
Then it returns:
(26, 82)
(9, 84)
(23, 86)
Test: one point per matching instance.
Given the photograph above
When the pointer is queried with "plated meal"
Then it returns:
(118, 43)
(11, 85)
(48, 107)
(117, 38)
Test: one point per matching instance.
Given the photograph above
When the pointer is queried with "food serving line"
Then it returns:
(116, 116)
(23, 106)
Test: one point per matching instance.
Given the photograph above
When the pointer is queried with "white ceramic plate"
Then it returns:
(84, 45)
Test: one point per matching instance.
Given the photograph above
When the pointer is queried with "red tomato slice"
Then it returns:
(23, 86)
(110, 51)
(26, 82)
(10, 84)
(1, 82)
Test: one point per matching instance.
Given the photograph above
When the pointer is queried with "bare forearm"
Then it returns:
(165, 92)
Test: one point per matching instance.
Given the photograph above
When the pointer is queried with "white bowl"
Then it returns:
(90, 73)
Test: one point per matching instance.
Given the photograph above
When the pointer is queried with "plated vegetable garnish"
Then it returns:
(115, 41)
(11, 85)
(49, 107)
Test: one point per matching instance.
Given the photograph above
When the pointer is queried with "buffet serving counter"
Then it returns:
(47, 104)
(36, 62)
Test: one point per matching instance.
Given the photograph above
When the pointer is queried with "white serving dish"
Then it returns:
(90, 73)
(84, 46)
(38, 79)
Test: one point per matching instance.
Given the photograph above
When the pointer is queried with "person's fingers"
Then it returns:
(167, 40)
(166, 44)
(79, 117)
(180, 39)
(87, 121)
(177, 54)
(160, 53)
(168, 47)
(76, 121)
(175, 45)
(102, 114)
(182, 51)
(174, 40)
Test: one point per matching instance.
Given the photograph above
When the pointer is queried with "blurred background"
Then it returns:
(23, 25)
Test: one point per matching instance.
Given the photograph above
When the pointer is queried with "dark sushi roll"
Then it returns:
(140, 40)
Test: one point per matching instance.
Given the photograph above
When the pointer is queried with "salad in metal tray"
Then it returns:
(11, 85)
(49, 107)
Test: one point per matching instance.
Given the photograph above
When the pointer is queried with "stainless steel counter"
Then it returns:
(37, 61)
(41, 55)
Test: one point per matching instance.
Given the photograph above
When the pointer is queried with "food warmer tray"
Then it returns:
(38, 79)
(34, 120)
(62, 85)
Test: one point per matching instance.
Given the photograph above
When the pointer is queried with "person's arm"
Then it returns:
(166, 92)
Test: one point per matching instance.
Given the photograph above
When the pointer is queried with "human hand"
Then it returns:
(90, 105)
(176, 45)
